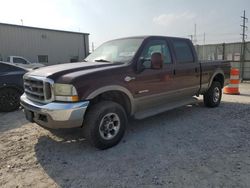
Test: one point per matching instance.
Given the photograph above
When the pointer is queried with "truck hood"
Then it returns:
(56, 71)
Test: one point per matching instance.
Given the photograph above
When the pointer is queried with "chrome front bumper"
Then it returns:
(55, 114)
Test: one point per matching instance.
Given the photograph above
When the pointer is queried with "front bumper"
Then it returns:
(55, 115)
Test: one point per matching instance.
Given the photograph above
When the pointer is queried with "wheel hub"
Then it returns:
(216, 96)
(109, 126)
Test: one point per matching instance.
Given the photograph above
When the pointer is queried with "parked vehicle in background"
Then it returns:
(137, 76)
(21, 61)
(11, 86)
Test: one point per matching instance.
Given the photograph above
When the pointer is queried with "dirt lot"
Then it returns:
(192, 146)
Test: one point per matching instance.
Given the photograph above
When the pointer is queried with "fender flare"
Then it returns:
(217, 71)
(119, 88)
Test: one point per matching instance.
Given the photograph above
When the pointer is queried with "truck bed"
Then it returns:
(211, 68)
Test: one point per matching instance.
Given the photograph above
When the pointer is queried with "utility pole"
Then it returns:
(203, 49)
(243, 44)
(93, 47)
(191, 37)
(195, 34)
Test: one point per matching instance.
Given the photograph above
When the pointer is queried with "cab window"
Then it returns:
(183, 51)
(157, 46)
(19, 60)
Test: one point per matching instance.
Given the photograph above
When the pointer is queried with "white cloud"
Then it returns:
(168, 19)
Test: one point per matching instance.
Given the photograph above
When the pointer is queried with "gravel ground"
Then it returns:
(192, 146)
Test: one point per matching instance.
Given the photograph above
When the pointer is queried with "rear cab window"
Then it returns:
(183, 51)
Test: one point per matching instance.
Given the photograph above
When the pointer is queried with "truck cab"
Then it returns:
(18, 60)
(23, 62)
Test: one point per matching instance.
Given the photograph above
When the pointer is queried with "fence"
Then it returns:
(230, 52)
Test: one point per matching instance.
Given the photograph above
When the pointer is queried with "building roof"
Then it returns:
(45, 29)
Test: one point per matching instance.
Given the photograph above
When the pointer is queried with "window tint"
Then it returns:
(157, 46)
(19, 60)
(183, 51)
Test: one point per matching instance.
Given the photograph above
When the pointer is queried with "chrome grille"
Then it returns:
(38, 89)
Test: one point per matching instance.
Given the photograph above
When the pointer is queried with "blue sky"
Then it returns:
(109, 19)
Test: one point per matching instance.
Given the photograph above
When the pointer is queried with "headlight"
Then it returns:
(65, 92)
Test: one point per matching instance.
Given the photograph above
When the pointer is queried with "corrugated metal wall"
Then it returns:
(247, 63)
(29, 42)
(230, 52)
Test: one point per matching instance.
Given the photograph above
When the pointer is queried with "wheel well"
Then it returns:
(115, 96)
(219, 78)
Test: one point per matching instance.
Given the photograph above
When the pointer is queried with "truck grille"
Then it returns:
(38, 89)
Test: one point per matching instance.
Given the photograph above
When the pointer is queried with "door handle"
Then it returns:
(174, 72)
(196, 71)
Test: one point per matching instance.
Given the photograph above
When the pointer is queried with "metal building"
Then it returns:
(41, 45)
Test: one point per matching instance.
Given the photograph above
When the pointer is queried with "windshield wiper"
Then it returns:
(101, 60)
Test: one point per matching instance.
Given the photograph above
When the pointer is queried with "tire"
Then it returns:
(213, 95)
(9, 99)
(105, 124)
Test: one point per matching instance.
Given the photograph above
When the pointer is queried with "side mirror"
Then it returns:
(143, 64)
(156, 60)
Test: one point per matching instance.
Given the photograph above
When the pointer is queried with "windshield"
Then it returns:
(122, 50)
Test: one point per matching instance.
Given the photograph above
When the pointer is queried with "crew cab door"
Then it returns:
(149, 86)
(186, 69)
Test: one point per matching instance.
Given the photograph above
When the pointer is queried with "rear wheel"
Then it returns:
(213, 95)
(105, 124)
(9, 99)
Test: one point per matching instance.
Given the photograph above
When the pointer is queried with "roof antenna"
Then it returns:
(22, 21)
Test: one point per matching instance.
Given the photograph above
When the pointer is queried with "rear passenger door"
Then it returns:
(186, 68)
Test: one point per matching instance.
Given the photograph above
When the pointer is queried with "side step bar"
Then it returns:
(163, 108)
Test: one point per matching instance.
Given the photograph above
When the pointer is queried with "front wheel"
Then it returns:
(105, 124)
(213, 95)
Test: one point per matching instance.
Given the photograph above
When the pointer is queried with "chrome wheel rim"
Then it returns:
(109, 126)
(216, 96)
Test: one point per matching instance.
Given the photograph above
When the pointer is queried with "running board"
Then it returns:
(163, 108)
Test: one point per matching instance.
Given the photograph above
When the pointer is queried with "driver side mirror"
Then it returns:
(155, 62)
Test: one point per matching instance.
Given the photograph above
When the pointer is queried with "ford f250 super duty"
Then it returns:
(129, 77)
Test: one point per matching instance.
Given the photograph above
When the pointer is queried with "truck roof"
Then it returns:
(149, 36)
(16, 56)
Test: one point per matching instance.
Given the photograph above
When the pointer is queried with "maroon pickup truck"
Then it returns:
(129, 77)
